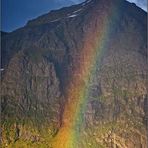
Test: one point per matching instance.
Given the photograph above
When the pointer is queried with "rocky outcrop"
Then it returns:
(30, 91)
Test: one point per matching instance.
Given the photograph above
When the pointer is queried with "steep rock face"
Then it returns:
(40, 61)
(30, 92)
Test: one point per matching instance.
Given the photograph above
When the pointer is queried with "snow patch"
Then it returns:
(55, 20)
(73, 15)
(2, 69)
(85, 3)
(77, 10)
(88, 1)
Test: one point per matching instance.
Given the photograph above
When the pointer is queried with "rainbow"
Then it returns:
(95, 44)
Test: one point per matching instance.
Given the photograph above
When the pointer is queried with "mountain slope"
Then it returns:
(77, 73)
(16, 13)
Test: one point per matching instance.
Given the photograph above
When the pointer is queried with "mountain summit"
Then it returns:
(76, 78)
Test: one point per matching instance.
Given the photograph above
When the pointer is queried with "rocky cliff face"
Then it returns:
(40, 60)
